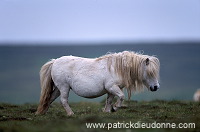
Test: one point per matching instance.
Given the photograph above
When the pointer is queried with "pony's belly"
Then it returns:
(89, 93)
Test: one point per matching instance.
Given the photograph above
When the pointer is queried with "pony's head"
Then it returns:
(151, 73)
(135, 70)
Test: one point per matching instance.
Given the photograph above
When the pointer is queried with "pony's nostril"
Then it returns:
(154, 88)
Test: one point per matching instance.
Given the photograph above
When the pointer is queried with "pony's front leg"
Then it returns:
(120, 103)
(108, 106)
(64, 100)
(116, 91)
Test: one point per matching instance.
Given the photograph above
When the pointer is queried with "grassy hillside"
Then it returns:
(21, 118)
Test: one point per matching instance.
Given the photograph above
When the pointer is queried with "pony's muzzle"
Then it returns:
(154, 88)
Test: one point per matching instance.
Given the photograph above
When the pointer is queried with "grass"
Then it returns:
(21, 118)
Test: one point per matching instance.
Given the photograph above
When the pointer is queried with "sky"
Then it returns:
(99, 20)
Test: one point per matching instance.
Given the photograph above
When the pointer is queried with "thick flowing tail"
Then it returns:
(46, 83)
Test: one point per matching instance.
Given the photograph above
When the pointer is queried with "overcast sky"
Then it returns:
(99, 20)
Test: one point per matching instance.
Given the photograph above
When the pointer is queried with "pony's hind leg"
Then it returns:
(55, 94)
(108, 106)
(64, 94)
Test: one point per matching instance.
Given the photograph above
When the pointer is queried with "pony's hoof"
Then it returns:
(114, 109)
(70, 114)
(106, 111)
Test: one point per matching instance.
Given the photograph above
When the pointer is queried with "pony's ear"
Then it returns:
(147, 61)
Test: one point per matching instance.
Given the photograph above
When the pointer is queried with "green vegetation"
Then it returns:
(21, 118)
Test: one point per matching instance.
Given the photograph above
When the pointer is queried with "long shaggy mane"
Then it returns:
(129, 66)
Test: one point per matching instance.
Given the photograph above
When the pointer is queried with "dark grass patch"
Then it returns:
(1, 108)
(13, 119)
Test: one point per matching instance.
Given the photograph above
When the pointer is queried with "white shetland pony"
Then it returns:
(92, 78)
